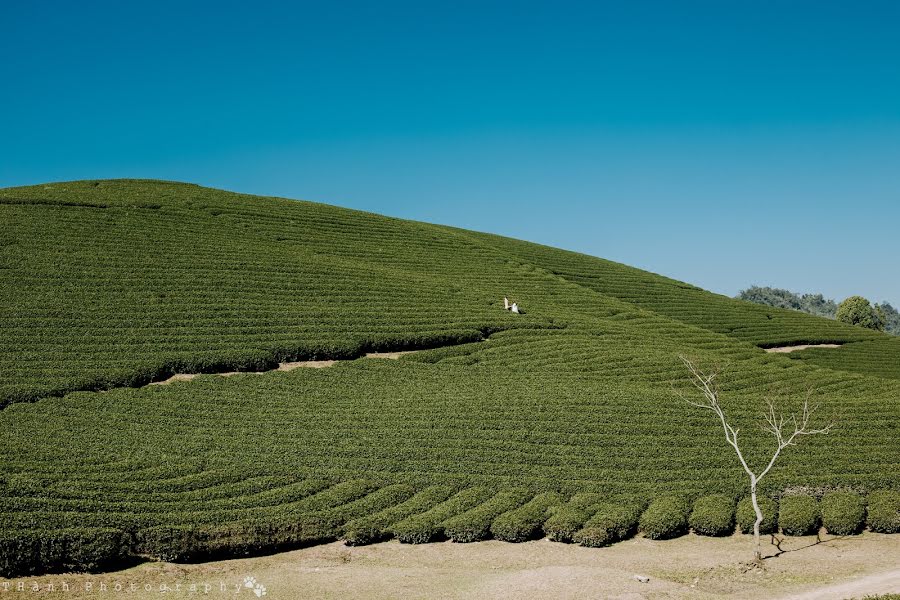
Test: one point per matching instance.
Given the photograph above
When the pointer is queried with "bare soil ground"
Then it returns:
(687, 567)
(389, 355)
(285, 366)
(782, 349)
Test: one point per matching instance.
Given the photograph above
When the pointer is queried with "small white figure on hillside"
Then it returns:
(514, 307)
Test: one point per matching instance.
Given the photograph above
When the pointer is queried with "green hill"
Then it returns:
(108, 285)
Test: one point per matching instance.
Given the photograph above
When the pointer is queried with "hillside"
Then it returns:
(109, 285)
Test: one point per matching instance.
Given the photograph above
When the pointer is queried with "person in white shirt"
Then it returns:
(514, 307)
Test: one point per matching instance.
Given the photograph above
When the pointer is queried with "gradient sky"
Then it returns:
(724, 143)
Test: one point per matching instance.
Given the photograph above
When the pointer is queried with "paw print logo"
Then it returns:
(260, 590)
(249, 582)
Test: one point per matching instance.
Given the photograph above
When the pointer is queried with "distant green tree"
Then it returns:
(771, 297)
(814, 304)
(891, 318)
(856, 310)
(817, 304)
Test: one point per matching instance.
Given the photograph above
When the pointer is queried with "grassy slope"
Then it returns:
(119, 282)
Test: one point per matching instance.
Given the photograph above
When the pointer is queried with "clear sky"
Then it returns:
(724, 143)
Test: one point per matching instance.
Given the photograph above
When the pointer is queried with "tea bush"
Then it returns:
(746, 516)
(524, 523)
(81, 549)
(884, 511)
(713, 515)
(843, 513)
(610, 523)
(568, 518)
(475, 524)
(799, 515)
(429, 526)
(373, 528)
(666, 517)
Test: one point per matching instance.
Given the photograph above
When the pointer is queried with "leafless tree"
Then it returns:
(786, 432)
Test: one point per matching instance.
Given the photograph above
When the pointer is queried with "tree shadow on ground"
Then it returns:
(777, 542)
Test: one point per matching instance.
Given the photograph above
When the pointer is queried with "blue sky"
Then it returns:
(721, 143)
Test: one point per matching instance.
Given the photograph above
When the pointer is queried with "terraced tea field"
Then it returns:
(876, 357)
(559, 421)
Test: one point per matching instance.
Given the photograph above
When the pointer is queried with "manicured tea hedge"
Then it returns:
(884, 511)
(565, 521)
(84, 549)
(524, 523)
(475, 524)
(713, 515)
(429, 526)
(843, 513)
(373, 528)
(746, 516)
(610, 523)
(799, 515)
(316, 518)
(666, 517)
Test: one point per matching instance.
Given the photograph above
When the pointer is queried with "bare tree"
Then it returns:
(785, 430)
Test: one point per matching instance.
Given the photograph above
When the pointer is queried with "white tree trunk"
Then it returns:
(759, 519)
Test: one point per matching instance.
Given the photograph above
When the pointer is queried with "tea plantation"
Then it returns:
(561, 421)
(876, 357)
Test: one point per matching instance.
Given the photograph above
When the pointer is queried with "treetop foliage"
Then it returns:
(857, 310)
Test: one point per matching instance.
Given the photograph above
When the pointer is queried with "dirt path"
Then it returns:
(880, 583)
(285, 366)
(687, 567)
(784, 349)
